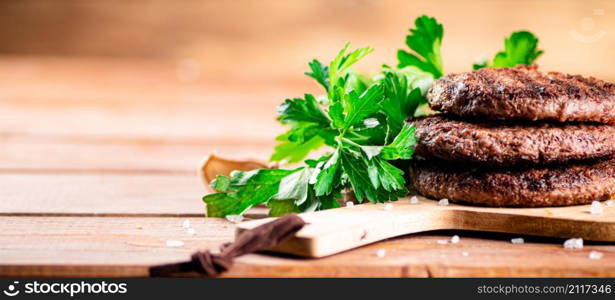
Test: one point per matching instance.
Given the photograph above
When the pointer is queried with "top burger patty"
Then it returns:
(523, 93)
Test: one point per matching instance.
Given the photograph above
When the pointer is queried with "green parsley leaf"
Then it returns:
(312, 203)
(357, 108)
(356, 170)
(302, 110)
(358, 82)
(329, 202)
(426, 40)
(384, 175)
(520, 48)
(373, 179)
(295, 186)
(244, 190)
(282, 207)
(319, 72)
(342, 62)
(480, 65)
(416, 78)
(310, 129)
(336, 112)
(295, 145)
(400, 101)
(402, 146)
(221, 183)
(329, 173)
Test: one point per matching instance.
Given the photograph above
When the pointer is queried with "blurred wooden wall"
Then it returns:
(275, 38)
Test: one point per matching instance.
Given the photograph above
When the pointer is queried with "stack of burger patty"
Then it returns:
(517, 137)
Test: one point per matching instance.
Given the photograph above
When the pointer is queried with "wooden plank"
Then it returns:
(114, 246)
(149, 121)
(147, 101)
(69, 193)
(55, 154)
(367, 223)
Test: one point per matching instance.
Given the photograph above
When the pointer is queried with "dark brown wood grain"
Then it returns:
(126, 246)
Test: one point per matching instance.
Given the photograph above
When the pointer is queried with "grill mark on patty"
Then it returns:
(524, 93)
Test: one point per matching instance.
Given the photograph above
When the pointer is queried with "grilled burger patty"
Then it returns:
(531, 187)
(524, 93)
(506, 144)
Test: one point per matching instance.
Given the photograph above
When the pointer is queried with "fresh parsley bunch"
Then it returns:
(361, 119)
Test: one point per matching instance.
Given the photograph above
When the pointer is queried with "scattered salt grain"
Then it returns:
(595, 255)
(455, 239)
(349, 204)
(574, 243)
(388, 207)
(443, 202)
(517, 241)
(609, 203)
(465, 253)
(186, 223)
(371, 122)
(596, 208)
(442, 242)
(381, 253)
(190, 231)
(174, 243)
(414, 200)
(371, 151)
(234, 218)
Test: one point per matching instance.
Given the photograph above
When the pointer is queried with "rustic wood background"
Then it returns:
(270, 38)
(107, 107)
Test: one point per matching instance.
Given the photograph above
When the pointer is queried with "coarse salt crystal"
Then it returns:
(465, 253)
(596, 208)
(595, 255)
(381, 253)
(455, 239)
(186, 223)
(442, 242)
(414, 200)
(575, 243)
(609, 202)
(349, 204)
(371, 122)
(174, 243)
(443, 202)
(388, 206)
(517, 241)
(190, 231)
(234, 218)
(371, 151)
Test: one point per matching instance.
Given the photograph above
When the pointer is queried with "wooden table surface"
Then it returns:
(98, 170)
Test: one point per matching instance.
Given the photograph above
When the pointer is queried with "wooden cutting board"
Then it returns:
(332, 231)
